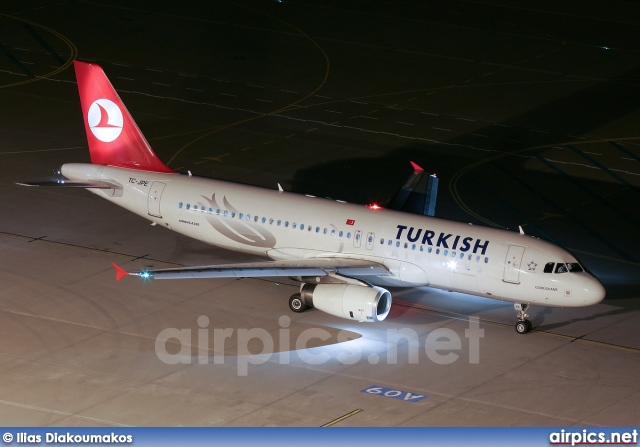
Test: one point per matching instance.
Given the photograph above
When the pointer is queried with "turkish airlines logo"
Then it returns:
(105, 120)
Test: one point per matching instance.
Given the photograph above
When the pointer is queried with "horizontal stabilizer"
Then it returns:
(94, 184)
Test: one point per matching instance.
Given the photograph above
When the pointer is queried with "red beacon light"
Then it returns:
(374, 206)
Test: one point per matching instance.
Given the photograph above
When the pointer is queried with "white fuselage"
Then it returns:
(417, 250)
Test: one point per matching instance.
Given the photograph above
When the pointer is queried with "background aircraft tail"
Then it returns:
(113, 136)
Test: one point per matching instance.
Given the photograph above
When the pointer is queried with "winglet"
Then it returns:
(120, 272)
(416, 167)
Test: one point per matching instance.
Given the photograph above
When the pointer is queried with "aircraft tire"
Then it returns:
(522, 327)
(296, 304)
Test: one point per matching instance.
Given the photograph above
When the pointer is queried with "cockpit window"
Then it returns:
(561, 268)
(574, 267)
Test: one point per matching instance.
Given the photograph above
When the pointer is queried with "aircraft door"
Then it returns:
(512, 264)
(370, 238)
(155, 194)
(357, 239)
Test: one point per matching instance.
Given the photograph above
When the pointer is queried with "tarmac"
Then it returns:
(527, 112)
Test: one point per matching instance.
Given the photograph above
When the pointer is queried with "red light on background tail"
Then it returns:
(350, 222)
(113, 136)
(374, 206)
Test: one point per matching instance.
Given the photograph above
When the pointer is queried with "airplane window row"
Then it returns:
(552, 267)
(332, 232)
(264, 220)
(445, 252)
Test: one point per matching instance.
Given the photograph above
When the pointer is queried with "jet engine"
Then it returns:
(349, 301)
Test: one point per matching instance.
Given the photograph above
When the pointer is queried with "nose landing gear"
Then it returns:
(523, 325)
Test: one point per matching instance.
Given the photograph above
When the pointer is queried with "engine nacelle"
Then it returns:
(349, 301)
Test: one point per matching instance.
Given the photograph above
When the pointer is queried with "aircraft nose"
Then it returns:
(592, 291)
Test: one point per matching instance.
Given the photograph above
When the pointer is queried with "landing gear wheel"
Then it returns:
(522, 327)
(296, 304)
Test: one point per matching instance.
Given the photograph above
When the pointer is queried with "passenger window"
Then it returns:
(195, 207)
(461, 255)
(370, 239)
(188, 205)
(406, 245)
(397, 243)
(233, 214)
(317, 229)
(180, 205)
(240, 216)
(453, 254)
(210, 210)
(437, 251)
(381, 241)
(422, 248)
(333, 232)
(271, 221)
(486, 260)
(390, 242)
(430, 249)
(217, 212)
(446, 253)
(294, 225)
(279, 222)
(325, 231)
(249, 217)
(413, 247)
(286, 224)
(477, 258)
(470, 257)
(341, 233)
(302, 226)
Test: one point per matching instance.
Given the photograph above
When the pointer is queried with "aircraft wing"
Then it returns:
(306, 267)
(418, 195)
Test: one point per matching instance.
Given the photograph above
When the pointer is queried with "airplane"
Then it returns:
(343, 255)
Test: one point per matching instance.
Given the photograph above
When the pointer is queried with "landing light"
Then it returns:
(145, 275)
(452, 265)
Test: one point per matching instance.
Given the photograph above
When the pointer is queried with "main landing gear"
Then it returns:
(297, 304)
(523, 325)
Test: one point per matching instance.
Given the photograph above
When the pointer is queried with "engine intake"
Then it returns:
(349, 301)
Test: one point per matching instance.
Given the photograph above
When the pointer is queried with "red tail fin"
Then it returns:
(114, 138)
